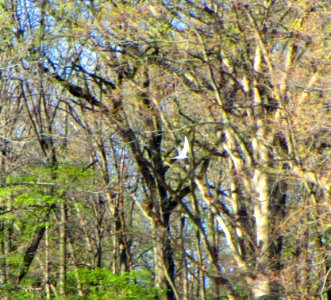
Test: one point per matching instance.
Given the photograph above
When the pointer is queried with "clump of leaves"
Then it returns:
(14, 292)
(102, 284)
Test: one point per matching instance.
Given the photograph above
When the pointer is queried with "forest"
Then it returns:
(97, 100)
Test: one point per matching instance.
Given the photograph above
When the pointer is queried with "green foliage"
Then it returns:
(96, 284)
(15, 259)
(55, 174)
(14, 292)
(102, 284)
(42, 185)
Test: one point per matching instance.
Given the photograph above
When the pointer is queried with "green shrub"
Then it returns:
(102, 284)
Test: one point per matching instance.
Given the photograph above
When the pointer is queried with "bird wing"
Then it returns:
(186, 147)
(182, 154)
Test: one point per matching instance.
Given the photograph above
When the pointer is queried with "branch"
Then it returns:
(49, 184)
(240, 262)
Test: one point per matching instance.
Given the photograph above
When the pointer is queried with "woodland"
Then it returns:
(96, 96)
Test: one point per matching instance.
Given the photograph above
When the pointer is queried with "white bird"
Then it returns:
(182, 154)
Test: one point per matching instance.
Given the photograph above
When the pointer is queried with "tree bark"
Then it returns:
(32, 250)
(63, 250)
(47, 274)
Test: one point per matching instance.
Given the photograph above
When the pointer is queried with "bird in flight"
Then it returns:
(182, 154)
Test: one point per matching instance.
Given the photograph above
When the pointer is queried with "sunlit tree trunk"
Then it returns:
(261, 192)
(63, 249)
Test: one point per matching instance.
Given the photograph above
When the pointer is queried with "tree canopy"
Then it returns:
(95, 98)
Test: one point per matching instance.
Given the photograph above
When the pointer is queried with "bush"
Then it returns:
(102, 284)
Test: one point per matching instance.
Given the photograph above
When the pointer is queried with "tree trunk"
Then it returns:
(32, 250)
(260, 287)
(164, 264)
(75, 264)
(63, 250)
(184, 271)
(47, 274)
